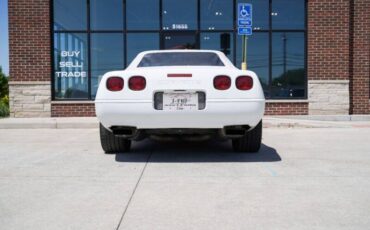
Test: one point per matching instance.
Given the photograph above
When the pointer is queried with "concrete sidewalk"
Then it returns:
(268, 122)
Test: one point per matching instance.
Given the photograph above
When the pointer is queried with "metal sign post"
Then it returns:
(244, 29)
(244, 56)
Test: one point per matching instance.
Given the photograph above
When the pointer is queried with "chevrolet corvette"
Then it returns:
(180, 94)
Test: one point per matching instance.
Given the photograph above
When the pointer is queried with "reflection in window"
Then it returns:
(106, 14)
(260, 13)
(70, 66)
(179, 41)
(137, 20)
(288, 14)
(70, 15)
(216, 15)
(218, 41)
(288, 68)
(179, 14)
(106, 55)
(138, 42)
(257, 57)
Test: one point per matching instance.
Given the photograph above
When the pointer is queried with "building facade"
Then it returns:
(312, 56)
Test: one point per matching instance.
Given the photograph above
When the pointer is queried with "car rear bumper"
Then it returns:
(217, 114)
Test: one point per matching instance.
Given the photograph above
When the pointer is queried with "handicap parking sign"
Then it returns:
(245, 11)
(244, 14)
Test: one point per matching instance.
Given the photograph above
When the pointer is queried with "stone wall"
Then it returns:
(328, 97)
(30, 99)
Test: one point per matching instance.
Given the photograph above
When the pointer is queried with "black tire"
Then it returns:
(250, 142)
(111, 143)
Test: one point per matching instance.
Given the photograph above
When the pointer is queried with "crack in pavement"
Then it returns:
(133, 192)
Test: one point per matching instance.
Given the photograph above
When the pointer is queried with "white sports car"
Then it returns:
(186, 94)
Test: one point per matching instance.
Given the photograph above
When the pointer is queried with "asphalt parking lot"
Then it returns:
(301, 179)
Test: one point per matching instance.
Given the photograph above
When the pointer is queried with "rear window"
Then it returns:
(180, 59)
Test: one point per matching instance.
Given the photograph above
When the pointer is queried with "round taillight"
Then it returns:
(222, 82)
(244, 82)
(137, 83)
(115, 83)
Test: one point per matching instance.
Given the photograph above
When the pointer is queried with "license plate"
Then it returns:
(180, 101)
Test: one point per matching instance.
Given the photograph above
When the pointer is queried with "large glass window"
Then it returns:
(106, 55)
(106, 14)
(257, 57)
(70, 66)
(142, 14)
(288, 62)
(277, 52)
(138, 42)
(216, 15)
(288, 14)
(92, 37)
(218, 41)
(70, 15)
(180, 14)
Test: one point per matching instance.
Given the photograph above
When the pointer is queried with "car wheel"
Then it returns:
(250, 142)
(111, 143)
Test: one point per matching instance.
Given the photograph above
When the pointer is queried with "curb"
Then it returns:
(327, 117)
(291, 123)
(49, 123)
(93, 123)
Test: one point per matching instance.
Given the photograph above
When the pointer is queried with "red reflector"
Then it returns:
(137, 83)
(222, 82)
(244, 82)
(179, 75)
(115, 83)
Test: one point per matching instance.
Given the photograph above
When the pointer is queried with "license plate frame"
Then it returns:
(180, 101)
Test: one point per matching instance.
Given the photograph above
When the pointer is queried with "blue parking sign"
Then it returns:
(244, 14)
(245, 30)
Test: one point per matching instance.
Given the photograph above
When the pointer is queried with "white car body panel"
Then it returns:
(223, 107)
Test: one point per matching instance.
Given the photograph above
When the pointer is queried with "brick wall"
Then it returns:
(73, 110)
(286, 108)
(328, 39)
(29, 58)
(82, 110)
(29, 40)
(329, 48)
(360, 57)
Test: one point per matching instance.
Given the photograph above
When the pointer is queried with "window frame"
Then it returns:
(160, 31)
